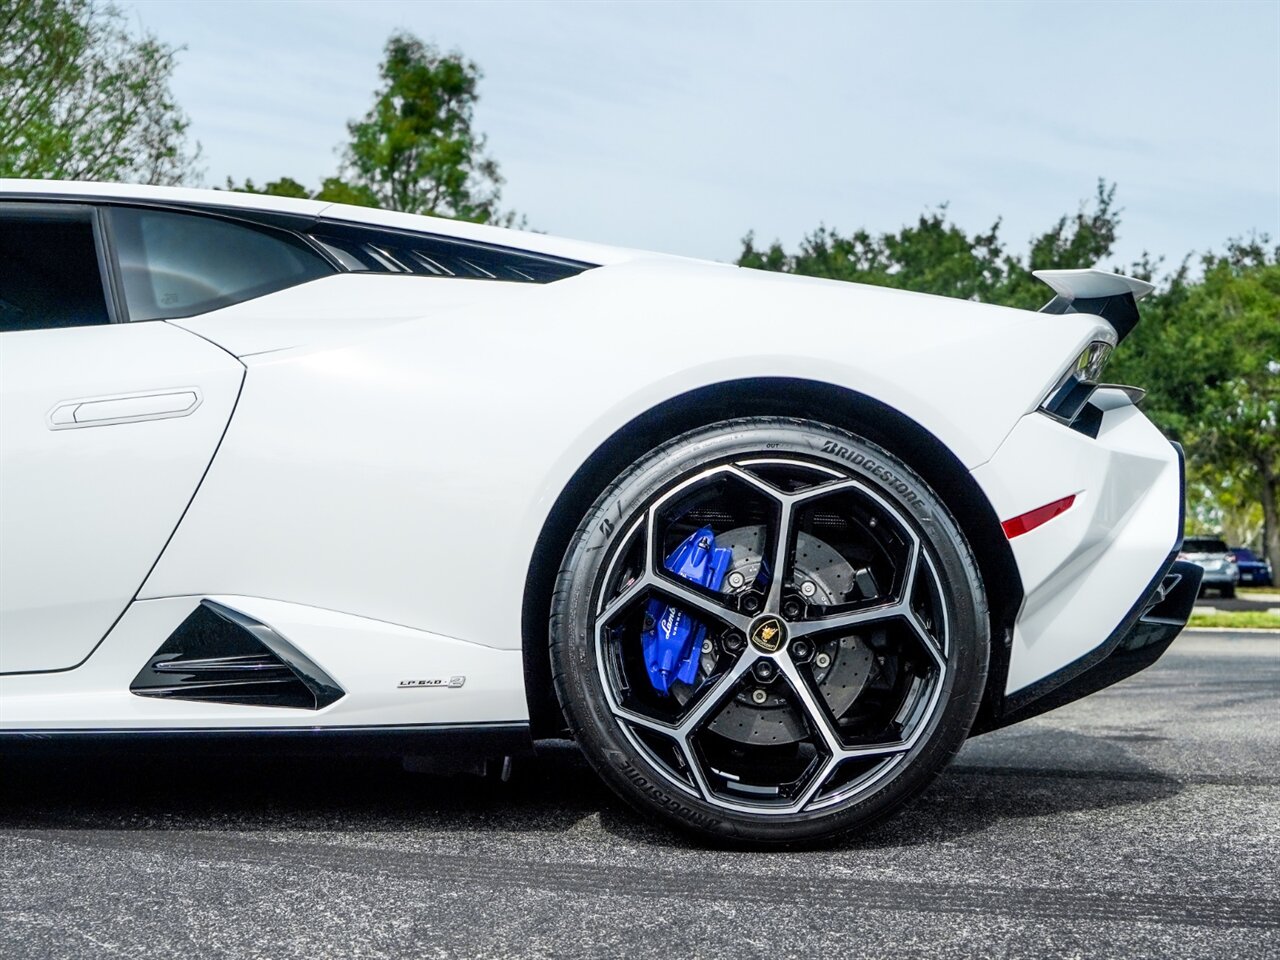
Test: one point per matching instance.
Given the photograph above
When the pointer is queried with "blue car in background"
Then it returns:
(1253, 571)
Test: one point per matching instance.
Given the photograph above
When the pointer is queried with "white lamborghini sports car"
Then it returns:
(288, 475)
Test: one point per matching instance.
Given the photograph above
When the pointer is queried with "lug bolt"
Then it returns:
(792, 609)
(707, 645)
(758, 696)
(734, 641)
(751, 603)
(736, 580)
(823, 660)
(808, 589)
(764, 670)
(800, 650)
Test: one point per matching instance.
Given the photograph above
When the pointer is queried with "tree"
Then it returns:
(935, 256)
(1083, 240)
(332, 190)
(1226, 398)
(416, 149)
(1208, 352)
(83, 98)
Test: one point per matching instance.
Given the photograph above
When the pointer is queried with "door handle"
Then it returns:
(125, 408)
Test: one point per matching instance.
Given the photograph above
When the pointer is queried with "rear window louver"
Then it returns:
(365, 250)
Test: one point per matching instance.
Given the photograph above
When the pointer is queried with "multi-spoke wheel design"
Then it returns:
(812, 680)
(815, 664)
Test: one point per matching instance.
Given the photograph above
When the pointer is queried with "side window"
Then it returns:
(181, 264)
(49, 268)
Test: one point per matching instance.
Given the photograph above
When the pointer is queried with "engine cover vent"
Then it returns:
(220, 655)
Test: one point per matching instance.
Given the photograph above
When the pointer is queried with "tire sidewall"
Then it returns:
(580, 687)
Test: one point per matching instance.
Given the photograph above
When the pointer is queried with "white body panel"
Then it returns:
(399, 442)
(370, 657)
(1083, 570)
(87, 504)
(403, 463)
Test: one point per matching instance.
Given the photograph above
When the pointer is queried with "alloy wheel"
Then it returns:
(822, 654)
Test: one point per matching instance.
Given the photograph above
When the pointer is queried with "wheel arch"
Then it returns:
(766, 396)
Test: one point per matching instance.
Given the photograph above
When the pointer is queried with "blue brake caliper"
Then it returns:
(672, 639)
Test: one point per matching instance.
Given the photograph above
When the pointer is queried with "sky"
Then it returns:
(680, 127)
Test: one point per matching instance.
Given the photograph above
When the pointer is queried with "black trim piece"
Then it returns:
(1077, 676)
(109, 275)
(517, 265)
(1166, 613)
(295, 222)
(1088, 421)
(510, 738)
(220, 655)
(323, 687)
(74, 211)
(383, 250)
(1120, 311)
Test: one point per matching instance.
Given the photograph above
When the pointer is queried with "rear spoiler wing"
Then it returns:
(1107, 295)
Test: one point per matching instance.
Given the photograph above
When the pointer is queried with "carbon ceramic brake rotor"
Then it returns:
(775, 722)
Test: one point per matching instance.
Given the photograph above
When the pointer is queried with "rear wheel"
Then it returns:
(769, 630)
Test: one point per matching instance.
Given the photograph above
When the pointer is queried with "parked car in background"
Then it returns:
(1254, 570)
(1221, 572)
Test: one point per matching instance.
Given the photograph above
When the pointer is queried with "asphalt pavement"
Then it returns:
(1141, 822)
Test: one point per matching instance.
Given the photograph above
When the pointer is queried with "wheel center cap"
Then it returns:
(768, 634)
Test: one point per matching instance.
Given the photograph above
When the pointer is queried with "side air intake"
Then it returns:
(368, 249)
(220, 655)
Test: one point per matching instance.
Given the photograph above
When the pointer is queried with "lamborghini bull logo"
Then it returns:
(768, 635)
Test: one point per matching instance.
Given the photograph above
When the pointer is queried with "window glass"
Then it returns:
(49, 275)
(180, 264)
(1203, 545)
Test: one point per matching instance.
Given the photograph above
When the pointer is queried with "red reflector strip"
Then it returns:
(1033, 518)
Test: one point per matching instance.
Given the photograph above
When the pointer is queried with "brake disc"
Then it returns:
(774, 721)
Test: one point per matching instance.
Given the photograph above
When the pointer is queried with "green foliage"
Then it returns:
(332, 190)
(284, 187)
(84, 98)
(1222, 503)
(936, 256)
(1209, 353)
(416, 149)
(932, 256)
(337, 190)
(1236, 619)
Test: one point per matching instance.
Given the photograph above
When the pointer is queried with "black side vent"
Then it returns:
(1088, 421)
(220, 655)
(365, 249)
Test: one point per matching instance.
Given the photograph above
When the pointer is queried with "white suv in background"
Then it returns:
(1221, 572)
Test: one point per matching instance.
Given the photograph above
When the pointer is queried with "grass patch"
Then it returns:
(1237, 620)
(1248, 590)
